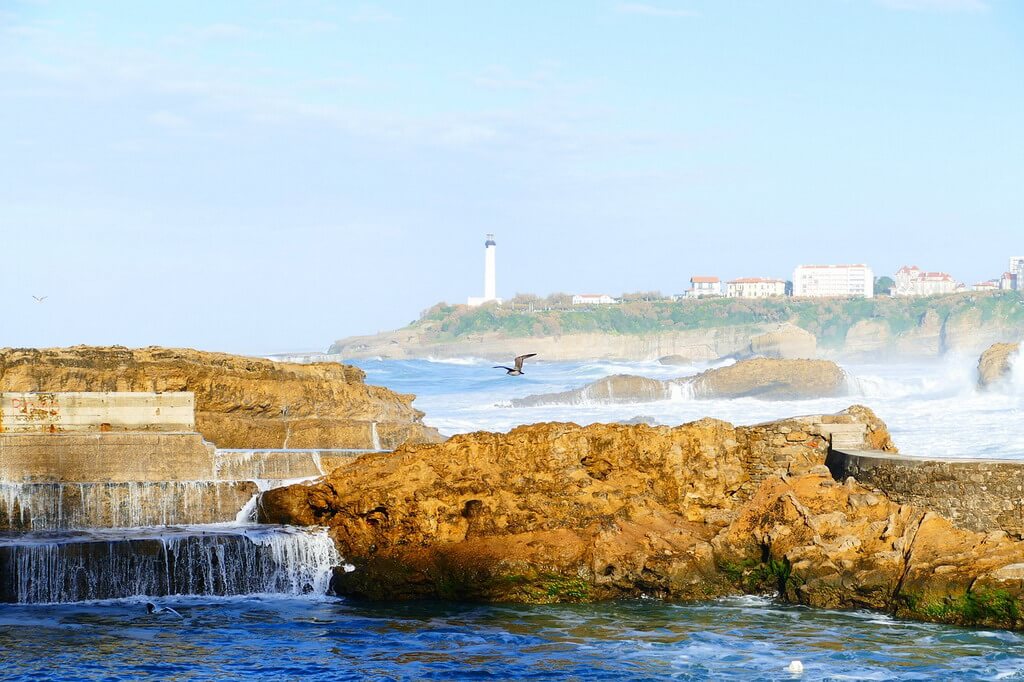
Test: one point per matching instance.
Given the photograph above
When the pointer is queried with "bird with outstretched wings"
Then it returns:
(517, 368)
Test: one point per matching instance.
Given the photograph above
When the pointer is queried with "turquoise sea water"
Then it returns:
(319, 637)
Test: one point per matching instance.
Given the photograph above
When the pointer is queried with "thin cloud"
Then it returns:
(936, 5)
(653, 10)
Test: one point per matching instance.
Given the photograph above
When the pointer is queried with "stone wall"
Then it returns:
(81, 457)
(96, 411)
(978, 495)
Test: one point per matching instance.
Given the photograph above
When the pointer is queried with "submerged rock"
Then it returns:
(241, 402)
(677, 359)
(618, 388)
(996, 362)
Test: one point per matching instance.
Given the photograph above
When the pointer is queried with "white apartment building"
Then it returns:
(1017, 268)
(913, 281)
(592, 299)
(755, 287)
(833, 280)
(991, 285)
(704, 286)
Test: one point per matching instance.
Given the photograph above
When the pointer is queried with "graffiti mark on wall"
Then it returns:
(37, 409)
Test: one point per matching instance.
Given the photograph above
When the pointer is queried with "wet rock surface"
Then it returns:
(763, 378)
(558, 512)
(995, 363)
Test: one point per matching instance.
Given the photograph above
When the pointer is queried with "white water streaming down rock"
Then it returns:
(374, 436)
(52, 506)
(211, 561)
(266, 464)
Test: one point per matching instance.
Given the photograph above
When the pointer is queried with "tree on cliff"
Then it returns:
(883, 284)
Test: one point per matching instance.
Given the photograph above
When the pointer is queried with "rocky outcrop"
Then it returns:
(764, 378)
(772, 380)
(618, 388)
(788, 342)
(241, 402)
(996, 362)
(558, 512)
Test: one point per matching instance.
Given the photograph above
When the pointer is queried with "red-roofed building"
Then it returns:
(701, 286)
(913, 281)
(755, 287)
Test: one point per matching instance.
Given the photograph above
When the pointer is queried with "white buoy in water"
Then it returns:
(795, 667)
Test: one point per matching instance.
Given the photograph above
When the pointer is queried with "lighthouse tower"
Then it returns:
(490, 275)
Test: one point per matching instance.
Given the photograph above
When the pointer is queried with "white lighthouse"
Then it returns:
(490, 275)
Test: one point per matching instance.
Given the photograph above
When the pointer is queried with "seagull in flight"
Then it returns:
(40, 299)
(517, 370)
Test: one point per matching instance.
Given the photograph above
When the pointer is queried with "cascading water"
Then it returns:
(55, 506)
(159, 562)
(74, 541)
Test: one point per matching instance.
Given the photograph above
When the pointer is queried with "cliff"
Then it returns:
(558, 512)
(241, 402)
(764, 378)
(996, 362)
(707, 329)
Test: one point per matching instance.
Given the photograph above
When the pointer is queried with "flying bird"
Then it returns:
(517, 370)
(40, 299)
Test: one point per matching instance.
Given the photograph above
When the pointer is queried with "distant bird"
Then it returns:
(518, 369)
(40, 299)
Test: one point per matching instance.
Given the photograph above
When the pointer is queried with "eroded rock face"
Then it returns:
(558, 512)
(241, 402)
(772, 379)
(995, 363)
(788, 342)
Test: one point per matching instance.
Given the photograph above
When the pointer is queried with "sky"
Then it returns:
(268, 176)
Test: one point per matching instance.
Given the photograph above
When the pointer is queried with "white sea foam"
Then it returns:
(932, 408)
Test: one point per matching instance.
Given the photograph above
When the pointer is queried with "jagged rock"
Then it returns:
(772, 380)
(764, 378)
(618, 388)
(995, 363)
(788, 342)
(558, 512)
(241, 402)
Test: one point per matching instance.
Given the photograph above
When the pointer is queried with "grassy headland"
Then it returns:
(828, 319)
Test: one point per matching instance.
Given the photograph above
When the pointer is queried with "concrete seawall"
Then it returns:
(977, 494)
(96, 411)
(120, 457)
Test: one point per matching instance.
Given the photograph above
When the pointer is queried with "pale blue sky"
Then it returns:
(269, 176)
